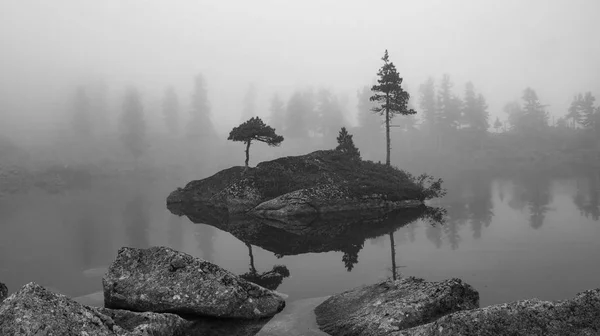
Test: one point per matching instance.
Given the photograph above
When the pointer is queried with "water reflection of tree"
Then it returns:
(204, 236)
(136, 221)
(532, 191)
(480, 205)
(350, 257)
(271, 279)
(587, 197)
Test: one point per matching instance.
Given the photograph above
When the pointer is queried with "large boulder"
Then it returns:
(390, 306)
(3, 292)
(578, 316)
(319, 182)
(160, 279)
(34, 310)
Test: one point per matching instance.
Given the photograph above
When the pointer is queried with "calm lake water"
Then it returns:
(511, 238)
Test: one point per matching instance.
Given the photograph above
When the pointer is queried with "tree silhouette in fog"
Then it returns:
(171, 110)
(391, 99)
(330, 115)
(587, 197)
(277, 113)
(254, 130)
(271, 279)
(479, 203)
(532, 192)
(136, 221)
(200, 125)
(133, 124)
(300, 113)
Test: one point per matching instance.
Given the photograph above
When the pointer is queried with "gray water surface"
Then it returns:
(511, 238)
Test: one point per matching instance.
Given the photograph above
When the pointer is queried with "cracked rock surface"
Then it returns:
(388, 307)
(163, 280)
(34, 310)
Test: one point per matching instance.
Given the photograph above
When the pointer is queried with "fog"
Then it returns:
(502, 47)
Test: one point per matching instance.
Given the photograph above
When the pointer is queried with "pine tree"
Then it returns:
(346, 144)
(170, 109)
(574, 112)
(497, 124)
(254, 130)
(427, 102)
(587, 110)
(390, 96)
(277, 112)
(133, 125)
(535, 118)
(449, 106)
(200, 124)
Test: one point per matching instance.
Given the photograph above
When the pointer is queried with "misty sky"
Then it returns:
(502, 46)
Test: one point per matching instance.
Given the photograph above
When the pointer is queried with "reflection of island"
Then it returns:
(271, 279)
(534, 192)
(344, 231)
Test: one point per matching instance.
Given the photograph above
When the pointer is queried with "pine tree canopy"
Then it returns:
(389, 92)
(255, 129)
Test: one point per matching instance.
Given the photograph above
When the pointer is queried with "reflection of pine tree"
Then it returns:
(480, 205)
(350, 257)
(434, 234)
(587, 198)
(269, 280)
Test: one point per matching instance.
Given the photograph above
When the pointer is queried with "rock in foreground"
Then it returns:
(578, 316)
(34, 310)
(387, 307)
(160, 279)
(3, 292)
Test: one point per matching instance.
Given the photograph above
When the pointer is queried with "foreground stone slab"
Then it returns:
(3, 292)
(578, 316)
(390, 306)
(160, 279)
(34, 310)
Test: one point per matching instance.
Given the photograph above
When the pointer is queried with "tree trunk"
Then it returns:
(387, 132)
(394, 268)
(252, 268)
(247, 152)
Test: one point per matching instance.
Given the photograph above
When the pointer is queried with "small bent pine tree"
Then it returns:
(254, 129)
(346, 144)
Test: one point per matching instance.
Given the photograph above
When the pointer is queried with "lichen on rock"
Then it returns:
(390, 306)
(34, 310)
(160, 279)
(579, 316)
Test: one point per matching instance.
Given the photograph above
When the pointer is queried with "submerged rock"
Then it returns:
(3, 292)
(34, 310)
(577, 316)
(319, 182)
(390, 306)
(160, 279)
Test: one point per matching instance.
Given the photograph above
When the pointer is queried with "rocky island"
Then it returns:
(319, 182)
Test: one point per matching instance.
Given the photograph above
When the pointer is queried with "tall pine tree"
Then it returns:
(390, 97)
(133, 124)
(427, 103)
